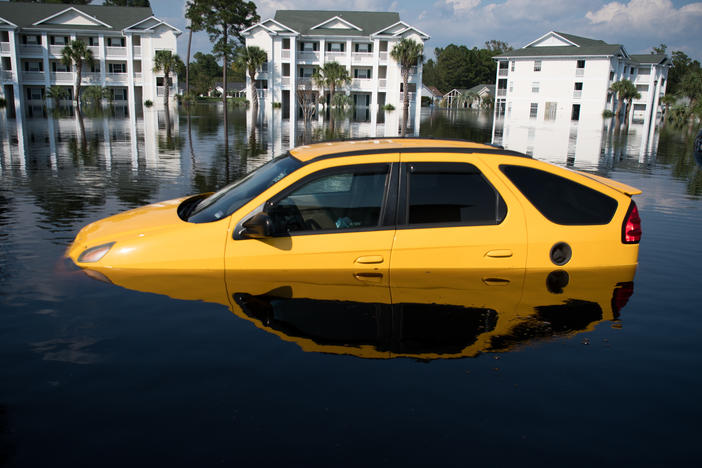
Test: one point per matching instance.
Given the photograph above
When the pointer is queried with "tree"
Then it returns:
(252, 58)
(469, 97)
(75, 54)
(331, 75)
(681, 66)
(496, 47)
(223, 20)
(67, 2)
(667, 101)
(407, 53)
(659, 49)
(56, 93)
(166, 61)
(622, 89)
(204, 72)
(128, 3)
(630, 94)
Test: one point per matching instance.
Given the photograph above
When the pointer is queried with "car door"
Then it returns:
(453, 213)
(338, 218)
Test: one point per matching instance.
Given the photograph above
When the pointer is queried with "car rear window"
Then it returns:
(561, 200)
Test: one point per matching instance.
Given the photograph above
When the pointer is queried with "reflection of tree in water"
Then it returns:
(136, 189)
(455, 124)
(680, 157)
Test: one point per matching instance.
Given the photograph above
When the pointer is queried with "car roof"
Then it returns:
(330, 149)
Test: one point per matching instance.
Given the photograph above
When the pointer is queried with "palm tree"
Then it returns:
(332, 75)
(75, 54)
(252, 58)
(469, 97)
(630, 94)
(167, 62)
(668, 101)
(408, 53)
(56, 94)
(622, 89)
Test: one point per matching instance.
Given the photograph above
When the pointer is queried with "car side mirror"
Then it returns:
(259, 226)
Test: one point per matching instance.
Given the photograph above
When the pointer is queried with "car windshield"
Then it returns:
(235, 195)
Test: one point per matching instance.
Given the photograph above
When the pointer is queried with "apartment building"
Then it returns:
(298, 41)
(562, 77)
(123, 41)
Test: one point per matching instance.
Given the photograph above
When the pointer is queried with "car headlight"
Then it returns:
(94, 254)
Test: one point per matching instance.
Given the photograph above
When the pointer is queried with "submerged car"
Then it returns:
(380, 206)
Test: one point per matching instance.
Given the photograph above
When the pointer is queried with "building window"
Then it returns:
(306, 72)
(115, 42)
(537, 65)
(509, 109)
(31, 40)
(286, 69)
(581, 64)
(117, 68)
(309, 46)
(550, 111)
(511, 65)
(363, 47)
(578, 86)
(95, 67)
(335, 46)
(34, 94)
(119, 94)
(533, 110)
(511, 86)
(286, 43)
(642, 88)
(33, 66)
(535, 87)
(59, 40)
(645, 71)
(363, 73)
(4, 36)
(59, 67)
(575, 114)
(383, 46)
(611, 75)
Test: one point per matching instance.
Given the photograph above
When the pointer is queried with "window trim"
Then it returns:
(386, 218)
(448, 166)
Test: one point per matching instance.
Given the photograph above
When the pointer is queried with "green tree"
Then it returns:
(429, 73)
(252, 58)
(630, 94)
(129, 3)
(166, 61)
(56, 93)
(681, 66)
(95, 94)
(75, 54)
(496, 47)
(204, 72)
(659, 49)
(331, 75)
(622, 89)
(223, 20)
(407, 53)
(469, 97)
(67, 2)
(667, 101)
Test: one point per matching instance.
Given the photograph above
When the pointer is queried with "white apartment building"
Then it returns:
(123, 41)
(562, 77)
(298, 41)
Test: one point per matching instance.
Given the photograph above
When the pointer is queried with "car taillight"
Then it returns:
(631, 229)
(621, 295)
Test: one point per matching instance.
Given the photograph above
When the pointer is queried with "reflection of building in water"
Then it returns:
(560, 76)
(122, 40)
(297, 42)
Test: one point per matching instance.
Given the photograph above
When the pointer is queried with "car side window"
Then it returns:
(348, 198)
(451, 194)
(560, 200)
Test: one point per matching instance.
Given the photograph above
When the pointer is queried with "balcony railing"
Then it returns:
(285, 54)
(90, 78)
(95, 50)
(138, 76)
(334, 56)
(382, 83)
(410, 96)
(502, 92)
(56, 49)
(308, 56)
(6, 75)
(33, 76)
(137, 51)
(504, 72)
(30, 49)
(383, 56)
(306, 81)
(116, 51)
(116, 78)
(161, 90)
(577, 94)
(285, 81)
(363, 57)
(62, 76)
(4, 46)
(579, 72)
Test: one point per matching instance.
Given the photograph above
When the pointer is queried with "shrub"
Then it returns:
(3, 103)
(389, 107)
(148, 103)
(607, 114)
(277, 105)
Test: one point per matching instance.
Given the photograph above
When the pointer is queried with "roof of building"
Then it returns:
(649, 58)
(480, 87)
(434, 91)
(313, 22)
(109, 18)
(580, 46)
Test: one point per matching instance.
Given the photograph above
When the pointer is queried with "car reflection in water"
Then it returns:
(422, 315)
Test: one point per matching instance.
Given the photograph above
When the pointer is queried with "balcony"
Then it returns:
(383, 56)
(56, 49)
(382, 83)
(4, 47)
(308, 56)
(334, 56)
(90, 78)
(362, 84)
(410, 96)
(579, 72)
(138, 76)
(95, 50)
(161, 91)
(501, 92)
(112, 52)
(33, 76)
(577, 94)
(62, 77)
(137, 51)
(116, 78)
(285, 54)
(362, 57)
(30, 49)
(305, 81)
(503, 72)
(285, 81)
(6, 75)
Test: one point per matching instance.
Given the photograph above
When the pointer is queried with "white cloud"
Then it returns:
(462, 6)
(647, 14)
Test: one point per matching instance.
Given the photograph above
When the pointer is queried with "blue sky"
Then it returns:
(637, 24)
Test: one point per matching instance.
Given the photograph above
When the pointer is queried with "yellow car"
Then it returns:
(375, 207)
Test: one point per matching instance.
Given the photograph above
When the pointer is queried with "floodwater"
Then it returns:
(549, 368)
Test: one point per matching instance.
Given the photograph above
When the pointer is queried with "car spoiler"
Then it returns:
(627, 189)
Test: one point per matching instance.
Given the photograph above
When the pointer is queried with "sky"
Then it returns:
(637, 24)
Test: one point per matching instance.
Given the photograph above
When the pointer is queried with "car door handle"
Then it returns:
(369, 277)
(496, 281)
(369, 259)
(500, 253)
